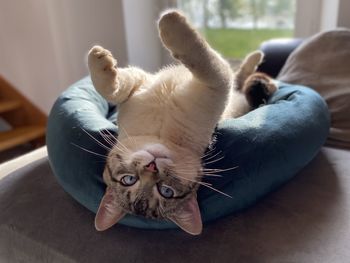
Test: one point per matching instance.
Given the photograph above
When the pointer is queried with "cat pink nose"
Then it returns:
(152, 167)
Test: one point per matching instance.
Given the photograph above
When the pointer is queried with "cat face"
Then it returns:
(150, 181)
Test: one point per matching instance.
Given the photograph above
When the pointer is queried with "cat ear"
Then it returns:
(188, 217)
(109, 213)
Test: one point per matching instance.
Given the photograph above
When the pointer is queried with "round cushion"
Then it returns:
(268, 146)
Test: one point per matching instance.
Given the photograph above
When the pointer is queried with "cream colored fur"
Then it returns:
(180, 105)
(170, 116)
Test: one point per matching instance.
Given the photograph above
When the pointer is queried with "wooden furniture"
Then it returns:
(27, 123)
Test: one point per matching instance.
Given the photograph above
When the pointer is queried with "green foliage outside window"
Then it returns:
(236, 27)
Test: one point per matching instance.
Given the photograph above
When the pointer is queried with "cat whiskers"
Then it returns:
(129, 137)
(108, 140)
(118, 144)
(207, 158)
(111, 140)
(94, 153)
(208, 185)
(209, 152)
(208, 155)
(98, 142)
(207, 172)
(211, 171)
(209, 175)
(89, 151)
(213, 161)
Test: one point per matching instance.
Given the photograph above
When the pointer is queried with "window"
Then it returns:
(237, 27)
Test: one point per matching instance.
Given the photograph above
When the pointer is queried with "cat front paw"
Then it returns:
(176, 33)
(101, 62)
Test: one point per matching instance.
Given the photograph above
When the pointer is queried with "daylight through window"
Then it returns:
(237, 27)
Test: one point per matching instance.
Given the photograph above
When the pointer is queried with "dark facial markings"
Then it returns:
(147, 205)
(121, 170)
(141, 206)
(110, 173)
(109, 170)
(189, 191)
(119, 157)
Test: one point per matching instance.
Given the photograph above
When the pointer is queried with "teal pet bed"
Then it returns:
(268, 146)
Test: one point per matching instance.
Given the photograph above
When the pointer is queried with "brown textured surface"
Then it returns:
(28, 113)
(20, 136)
(307, 220)
(25, 123)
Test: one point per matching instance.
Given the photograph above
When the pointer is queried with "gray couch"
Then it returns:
(306, 220)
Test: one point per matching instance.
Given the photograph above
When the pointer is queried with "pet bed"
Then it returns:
(268, 146)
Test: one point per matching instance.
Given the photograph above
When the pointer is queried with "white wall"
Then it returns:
(344, 13)
(313, 16)
(43, 43)
(329, 15)
(307, 19)
(144, 46)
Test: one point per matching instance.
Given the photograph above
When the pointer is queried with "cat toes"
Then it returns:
(258, 88)
(176, 33)
(101, 61)
(171, 17)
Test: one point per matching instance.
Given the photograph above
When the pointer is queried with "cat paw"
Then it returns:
(102, 62)
(254, 59)
(176, 33)
(258, 88)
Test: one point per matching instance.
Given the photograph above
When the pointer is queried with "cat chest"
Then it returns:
(166, 116)
(145, 116)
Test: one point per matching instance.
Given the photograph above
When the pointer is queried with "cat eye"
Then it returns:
(166, 191)
(128, 180)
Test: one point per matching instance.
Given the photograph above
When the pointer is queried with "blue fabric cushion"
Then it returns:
(268, 145)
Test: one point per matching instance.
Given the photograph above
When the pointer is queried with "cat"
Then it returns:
(166, 122)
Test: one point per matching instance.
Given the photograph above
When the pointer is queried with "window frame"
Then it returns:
(312, 16)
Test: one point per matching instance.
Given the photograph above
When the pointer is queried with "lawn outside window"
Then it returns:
(237, 27)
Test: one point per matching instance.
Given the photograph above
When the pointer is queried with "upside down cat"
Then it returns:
(166, 121)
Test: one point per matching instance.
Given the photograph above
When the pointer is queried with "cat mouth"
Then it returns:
(152, 167)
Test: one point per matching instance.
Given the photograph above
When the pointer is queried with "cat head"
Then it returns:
(153, 181)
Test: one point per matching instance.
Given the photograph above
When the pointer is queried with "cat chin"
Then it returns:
(165, 153)
(157, 150)
(156, 154)
(169, 153)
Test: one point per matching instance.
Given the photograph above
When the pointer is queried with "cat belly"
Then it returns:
(142, 116)
(176, 110)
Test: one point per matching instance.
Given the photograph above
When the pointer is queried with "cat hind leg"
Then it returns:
(251, 88)
(247, 68)
(258, 88)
